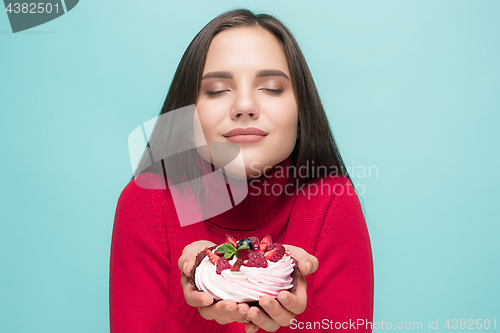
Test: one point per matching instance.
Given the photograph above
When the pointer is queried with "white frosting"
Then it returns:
(249, 284)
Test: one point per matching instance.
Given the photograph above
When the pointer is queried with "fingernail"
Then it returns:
(226, 308)
(184, 267)
(242, 312)
(267, 305)
(254, 316)
(203, 302)
(284, 299)
(308, 267)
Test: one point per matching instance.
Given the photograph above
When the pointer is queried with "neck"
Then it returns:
(265, 198)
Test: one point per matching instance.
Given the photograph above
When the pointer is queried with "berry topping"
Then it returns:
(288, 253)
(222, 264)
(266, 241)
(255, 242)
(276, 253)
(272, 246)
(236, 266)
(212, 256)
(245, 242)
(256, 259)
(243, 254)
(231, 240)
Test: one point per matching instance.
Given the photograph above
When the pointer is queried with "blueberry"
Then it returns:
(245, 241)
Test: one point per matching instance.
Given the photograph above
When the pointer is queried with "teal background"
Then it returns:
(410, 87)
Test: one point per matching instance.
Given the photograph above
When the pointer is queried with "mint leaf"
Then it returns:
(227, 249)
(242, 247)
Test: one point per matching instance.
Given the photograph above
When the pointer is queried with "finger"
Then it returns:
(186, 263)
(251, 328)
(296, 302)
(194, 297)
(215, 311)
(232, 312)
(237, 312)
(242, 309)
(261, 319)
(188, 258)
(223, 312)
(276, 311)
(307, 263)
(197, 247)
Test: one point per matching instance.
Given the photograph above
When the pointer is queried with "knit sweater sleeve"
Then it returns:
(139, 263)
(340, 292)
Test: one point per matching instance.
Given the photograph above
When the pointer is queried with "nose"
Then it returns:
(245, 106)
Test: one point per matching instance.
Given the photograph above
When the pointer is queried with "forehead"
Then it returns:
(245, 48)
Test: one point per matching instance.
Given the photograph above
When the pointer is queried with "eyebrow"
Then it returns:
(261, 73)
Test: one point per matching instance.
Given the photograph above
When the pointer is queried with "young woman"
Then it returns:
(251, 86)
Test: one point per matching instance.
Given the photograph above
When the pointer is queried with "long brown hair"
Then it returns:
(316, 144)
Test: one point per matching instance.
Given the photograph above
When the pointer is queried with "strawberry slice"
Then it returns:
(236, 266)
(276, 253)
(267, 239)
(212, 256)
(265, 242)
(231, 240)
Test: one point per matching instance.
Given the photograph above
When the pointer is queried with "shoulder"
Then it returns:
(145, 185)
(142, 197)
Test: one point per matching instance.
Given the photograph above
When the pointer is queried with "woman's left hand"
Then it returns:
(280, 313)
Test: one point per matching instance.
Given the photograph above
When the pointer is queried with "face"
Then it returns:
(246, 97)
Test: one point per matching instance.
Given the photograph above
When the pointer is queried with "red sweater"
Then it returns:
(324, 218)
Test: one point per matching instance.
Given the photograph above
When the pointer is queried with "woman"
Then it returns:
(245, 72)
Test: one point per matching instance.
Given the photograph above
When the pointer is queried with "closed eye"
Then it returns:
(274, 91)
(215, 92)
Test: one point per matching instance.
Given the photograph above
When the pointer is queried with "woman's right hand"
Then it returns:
(223, 312)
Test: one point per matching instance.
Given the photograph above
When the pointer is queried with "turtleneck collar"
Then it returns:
(265, 199)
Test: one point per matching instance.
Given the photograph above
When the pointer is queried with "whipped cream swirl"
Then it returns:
(247, 285)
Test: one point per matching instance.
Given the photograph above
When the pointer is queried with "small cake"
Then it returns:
(244, 270)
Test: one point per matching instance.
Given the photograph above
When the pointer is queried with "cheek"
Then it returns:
(208, 119)
(285, 117)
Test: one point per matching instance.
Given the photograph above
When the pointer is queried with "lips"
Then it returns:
(245, 131)
(245, 135)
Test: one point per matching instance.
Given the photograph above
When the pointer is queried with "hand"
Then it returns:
(280, 313)
(223, 312)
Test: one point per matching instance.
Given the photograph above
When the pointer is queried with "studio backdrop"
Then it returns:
(411, 90)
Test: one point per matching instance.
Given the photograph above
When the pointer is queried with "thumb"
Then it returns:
(185, 263)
